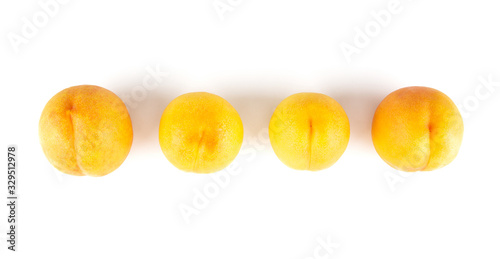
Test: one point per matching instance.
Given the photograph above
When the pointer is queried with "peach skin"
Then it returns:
(85, 130)
(417, 129)
(200, 132)
(309, 131)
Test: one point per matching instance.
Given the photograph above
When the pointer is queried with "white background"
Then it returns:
(260, 53)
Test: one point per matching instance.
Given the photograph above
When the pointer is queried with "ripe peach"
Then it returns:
(309, 131)
(200, 132)
(85, 130)
(417, 129)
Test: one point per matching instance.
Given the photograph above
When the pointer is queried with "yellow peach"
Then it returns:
(309, 131)
(200, 132)
(85, 130)
(417, 129)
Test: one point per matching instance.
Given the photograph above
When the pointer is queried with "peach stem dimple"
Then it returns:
(197, 151)
(69, 112)
(429, 128)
